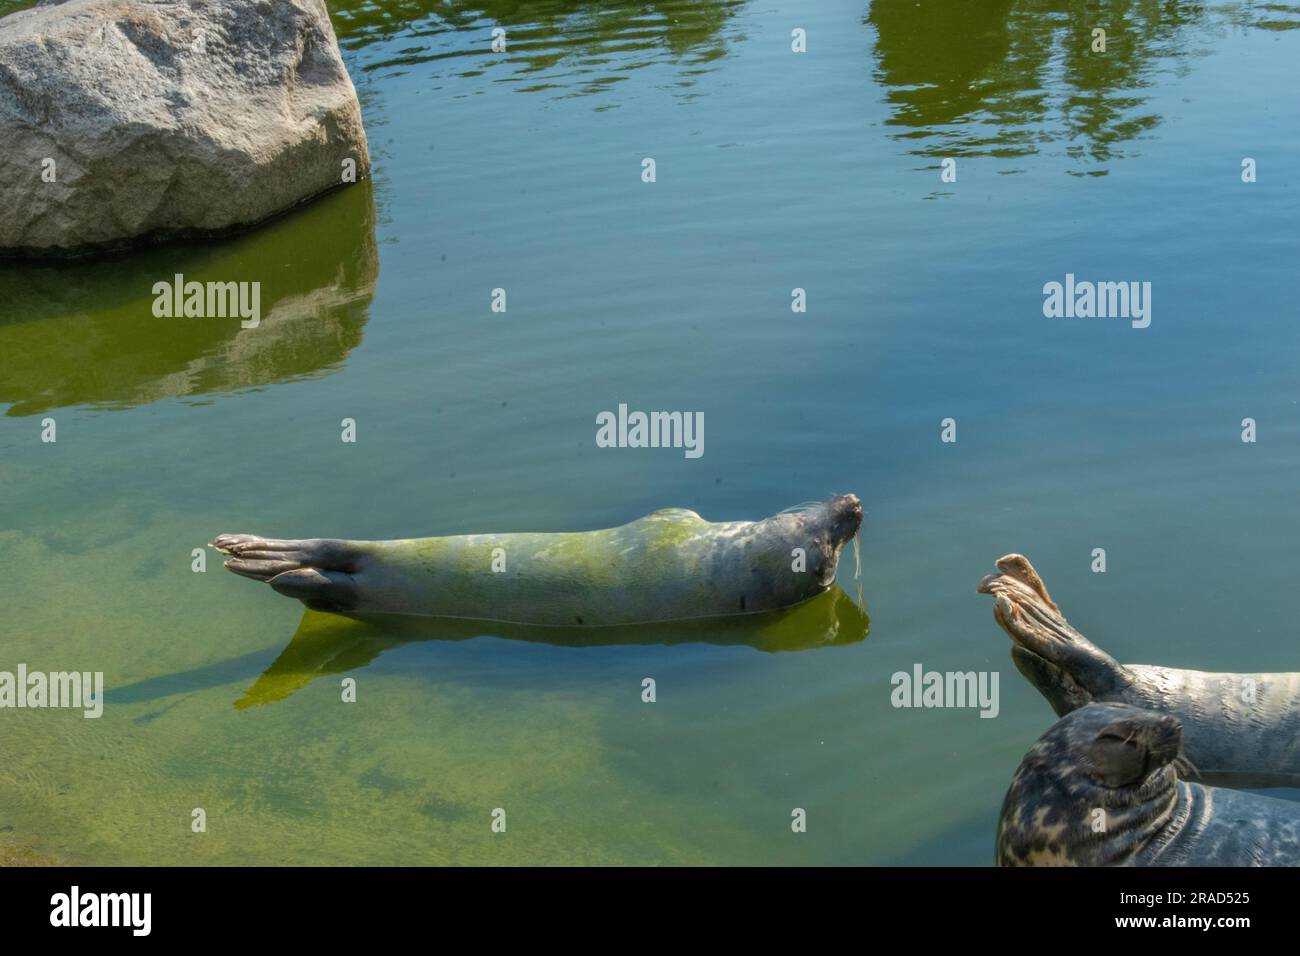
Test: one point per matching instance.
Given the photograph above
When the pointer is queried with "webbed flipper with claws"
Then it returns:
(1067, 668)
(316, 571)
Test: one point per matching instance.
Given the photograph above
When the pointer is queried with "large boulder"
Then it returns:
(132, 121)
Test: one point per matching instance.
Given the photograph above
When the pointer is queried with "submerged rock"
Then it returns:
(132, 121)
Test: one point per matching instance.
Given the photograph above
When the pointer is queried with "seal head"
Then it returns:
(821, 530)
(833, 524)
(844, 514)
(1094, 790)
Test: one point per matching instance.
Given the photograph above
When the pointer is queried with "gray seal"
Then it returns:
(671, 565)
(1102, 788)
(1239, 729)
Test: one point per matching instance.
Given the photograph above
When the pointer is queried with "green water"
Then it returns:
(775, 170)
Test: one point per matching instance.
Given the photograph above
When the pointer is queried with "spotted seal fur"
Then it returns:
(1102, 788)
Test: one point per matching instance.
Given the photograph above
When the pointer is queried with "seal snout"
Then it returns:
(846, 517)
(1166, 739)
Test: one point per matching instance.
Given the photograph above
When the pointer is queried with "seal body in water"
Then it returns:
(1238, 729)
(1101, 788)
(669, 565)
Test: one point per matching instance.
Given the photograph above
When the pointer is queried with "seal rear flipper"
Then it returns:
(1032, 620)
(258, 555)
(316, 571)
(1060, 689)
(319, 590)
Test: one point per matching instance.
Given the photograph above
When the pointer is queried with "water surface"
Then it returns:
(775, 170)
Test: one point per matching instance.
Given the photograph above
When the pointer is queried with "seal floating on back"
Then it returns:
(1239, 729)
(669, 565)
(1101, 788)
